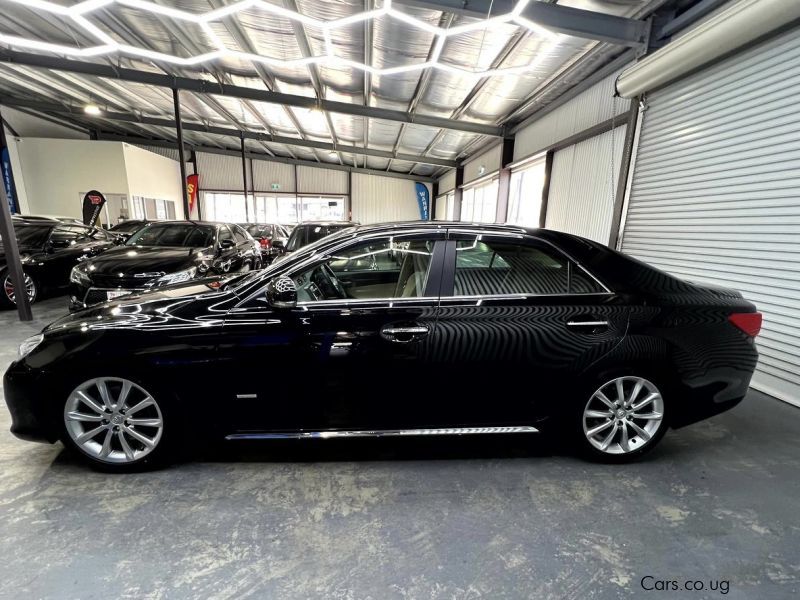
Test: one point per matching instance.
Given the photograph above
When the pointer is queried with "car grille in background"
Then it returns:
(113, 281)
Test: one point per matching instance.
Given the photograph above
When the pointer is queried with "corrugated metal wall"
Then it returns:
(265, 173)
(447, 182)
(490, 160)
(583, 182)
(219, 172)
(593, 106)
(313, 180)
(161, 151)
(716, 192)
(379, 199)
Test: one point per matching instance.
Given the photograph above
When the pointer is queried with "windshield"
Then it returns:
(187, 235)
(303, 235)
(127, 227)
(31, 235)
(258, 230)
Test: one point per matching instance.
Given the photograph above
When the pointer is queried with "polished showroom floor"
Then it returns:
(433, 519)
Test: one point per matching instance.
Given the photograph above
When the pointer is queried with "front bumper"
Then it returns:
(81, 296)
(32, 418)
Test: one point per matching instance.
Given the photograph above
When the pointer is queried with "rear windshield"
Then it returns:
(173, 234)
(303, 235)
(259, 230)
(31, 235)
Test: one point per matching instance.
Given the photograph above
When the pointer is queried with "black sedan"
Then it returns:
(49, 249)
(393, 330)
(161, 254)
(270, 236)
(308, 232)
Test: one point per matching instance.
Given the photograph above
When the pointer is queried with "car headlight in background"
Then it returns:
(28, 345)
(78, 276)
(177, 277)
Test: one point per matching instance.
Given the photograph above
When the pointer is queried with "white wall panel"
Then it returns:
(318, 180)
(583, 183)
(162, 151)
(265, 173)
(447, 182)
(490, 160)
(378, 199)
(593, 106)
(153, 176)
(221, 172)
(715, 193)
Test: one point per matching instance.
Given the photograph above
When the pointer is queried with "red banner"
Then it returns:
(192, 182)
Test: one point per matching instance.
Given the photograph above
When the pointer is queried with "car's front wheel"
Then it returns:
(115, 424)
(623, 419)
(8, 293)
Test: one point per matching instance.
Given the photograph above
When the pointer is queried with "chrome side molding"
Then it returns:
(357, 433)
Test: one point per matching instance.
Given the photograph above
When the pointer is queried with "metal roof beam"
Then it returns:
(265, 157)
(57, 109)
(203, 86)
(563, 19)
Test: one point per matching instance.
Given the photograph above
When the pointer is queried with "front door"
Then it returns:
(351, 355)
(518, 322)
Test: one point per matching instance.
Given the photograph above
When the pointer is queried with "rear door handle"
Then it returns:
(588, 324)
(404, 333)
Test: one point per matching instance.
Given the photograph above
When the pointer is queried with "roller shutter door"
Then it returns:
(715, 195)
(583, 181)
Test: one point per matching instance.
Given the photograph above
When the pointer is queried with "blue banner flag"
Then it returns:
(424, 201)
(8, 180)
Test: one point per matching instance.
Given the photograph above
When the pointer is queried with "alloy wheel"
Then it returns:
(623, 415)
(10, 292)
(113, 420)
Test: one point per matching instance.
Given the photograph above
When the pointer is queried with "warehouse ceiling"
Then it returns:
(448, 76)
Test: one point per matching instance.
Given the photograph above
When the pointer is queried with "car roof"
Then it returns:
(328, 223)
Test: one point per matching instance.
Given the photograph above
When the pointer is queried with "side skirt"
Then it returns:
(355, 433)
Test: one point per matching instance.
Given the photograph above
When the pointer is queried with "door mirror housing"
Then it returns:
(282, 292)
(227, 243)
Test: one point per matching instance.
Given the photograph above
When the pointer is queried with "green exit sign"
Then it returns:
(275, 187)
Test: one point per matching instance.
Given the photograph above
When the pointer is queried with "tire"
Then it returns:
(133, 436)
(611, 427)
(7, 292)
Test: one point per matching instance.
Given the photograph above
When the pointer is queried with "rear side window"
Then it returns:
(241, 236)
(501, 268)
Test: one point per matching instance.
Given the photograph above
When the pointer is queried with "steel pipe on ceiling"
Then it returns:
(730, 29)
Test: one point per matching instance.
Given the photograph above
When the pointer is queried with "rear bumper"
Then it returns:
(716, 392)
(31, 417)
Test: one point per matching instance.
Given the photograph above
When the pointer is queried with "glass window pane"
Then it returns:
(494, 268)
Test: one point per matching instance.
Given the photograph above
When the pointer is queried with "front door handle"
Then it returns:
(588, 324)
(404, 333)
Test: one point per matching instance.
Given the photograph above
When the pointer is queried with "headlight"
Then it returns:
(28, 345)
(171, 278)
(78, 276)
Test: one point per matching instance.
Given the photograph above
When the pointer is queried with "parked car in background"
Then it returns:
(127, 228)
(49, 249)
(62, 219)
(501, 329)
(160, 254)
(308, 232)
(266, 234)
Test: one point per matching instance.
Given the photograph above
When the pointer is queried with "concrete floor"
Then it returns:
(501, 518)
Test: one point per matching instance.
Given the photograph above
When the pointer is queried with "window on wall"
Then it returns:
(225, 207)
(152, 209)
(289, 210)
(479, 204)
(525, 195)
(444, 206)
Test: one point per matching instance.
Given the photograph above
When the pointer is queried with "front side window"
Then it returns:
(378, 269)
(489, 268)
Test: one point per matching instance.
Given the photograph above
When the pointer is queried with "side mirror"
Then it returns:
(282, 292)
(279, 243)
(225, 244)
(119, 239)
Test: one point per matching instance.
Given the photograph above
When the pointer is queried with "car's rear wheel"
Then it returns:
(623, 419)
(115, 424)
(8, 293)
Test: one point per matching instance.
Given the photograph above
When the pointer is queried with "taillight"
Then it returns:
(750, 323)
(265, 242)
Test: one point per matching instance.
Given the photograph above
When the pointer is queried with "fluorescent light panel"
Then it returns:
(108, 45)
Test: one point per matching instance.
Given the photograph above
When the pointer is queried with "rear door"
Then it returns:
(518, 322)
